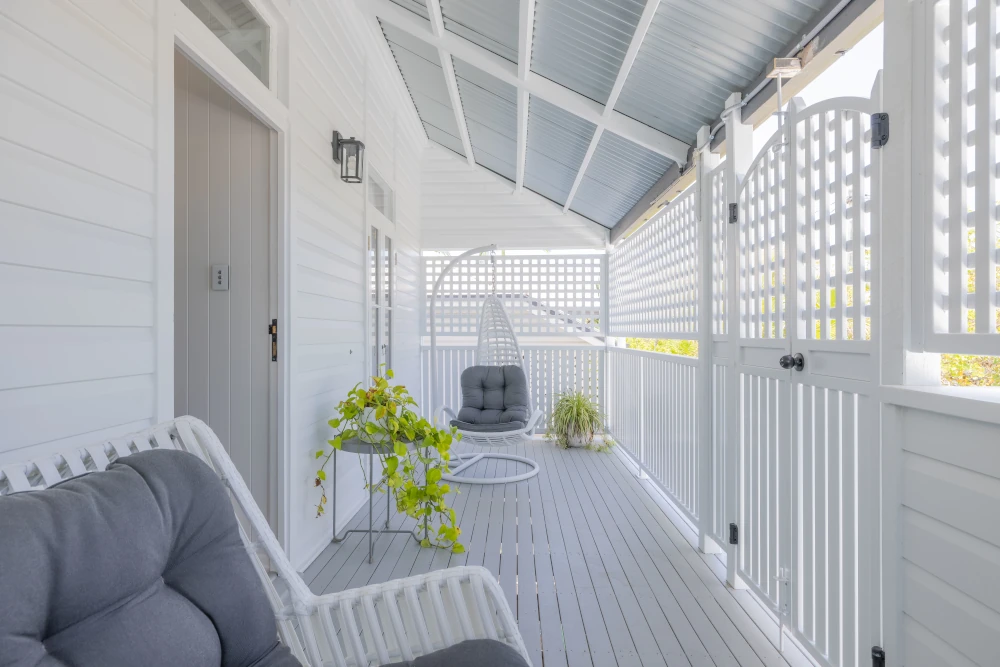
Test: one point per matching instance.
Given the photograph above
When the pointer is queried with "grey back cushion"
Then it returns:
(139, 565)
(494, 395)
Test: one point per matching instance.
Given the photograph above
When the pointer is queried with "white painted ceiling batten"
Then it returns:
(609, 109)
(537, 86)
(437, 27)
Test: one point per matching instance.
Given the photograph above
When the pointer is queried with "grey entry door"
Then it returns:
(222, 280)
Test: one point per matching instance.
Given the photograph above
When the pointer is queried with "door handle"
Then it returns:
(789, 361)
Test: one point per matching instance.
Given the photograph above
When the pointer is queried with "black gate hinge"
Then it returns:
(878, 656)
(273, 330)
(880, 129)
(734, 534)
(734, 213)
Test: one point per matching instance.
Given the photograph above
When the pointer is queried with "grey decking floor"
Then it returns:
(593, 564)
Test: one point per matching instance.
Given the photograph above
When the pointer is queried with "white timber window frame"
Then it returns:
(381, 262)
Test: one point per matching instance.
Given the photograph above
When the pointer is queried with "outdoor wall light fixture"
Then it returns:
(350, 155)
(783, 69)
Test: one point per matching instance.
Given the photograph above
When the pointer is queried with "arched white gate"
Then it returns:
(807, 371)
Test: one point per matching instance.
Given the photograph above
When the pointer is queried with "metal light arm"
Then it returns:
(437, 400)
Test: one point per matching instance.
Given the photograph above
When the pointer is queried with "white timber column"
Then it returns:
(705, 162)
(902, 283)
(525, 32)
(739, 154)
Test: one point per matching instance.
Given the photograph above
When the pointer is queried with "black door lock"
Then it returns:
(796, 361)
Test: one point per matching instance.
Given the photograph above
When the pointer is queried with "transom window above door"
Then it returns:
(240, 28)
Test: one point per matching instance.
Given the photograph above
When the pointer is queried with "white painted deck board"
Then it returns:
(593, 564)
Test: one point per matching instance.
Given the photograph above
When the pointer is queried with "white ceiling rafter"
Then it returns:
(437, 27)
(538, 86)
(525, 32)
(609, 109)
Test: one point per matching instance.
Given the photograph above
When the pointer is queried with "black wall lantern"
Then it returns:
(350, 155)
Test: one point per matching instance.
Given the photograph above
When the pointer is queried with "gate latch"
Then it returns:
(734, 534)
(880, 129)
(734, 213)
(878, 656)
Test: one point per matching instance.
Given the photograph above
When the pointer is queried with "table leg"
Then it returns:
(371, 494)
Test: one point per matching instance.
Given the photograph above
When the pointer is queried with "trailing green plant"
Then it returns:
(576, 417)
(414, 455)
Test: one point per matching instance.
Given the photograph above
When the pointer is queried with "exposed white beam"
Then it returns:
(616, 90)
(437, 28)
(526, 28)
(538, 86)
(596, 139)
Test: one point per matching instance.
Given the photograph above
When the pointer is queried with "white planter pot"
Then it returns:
(579, 441)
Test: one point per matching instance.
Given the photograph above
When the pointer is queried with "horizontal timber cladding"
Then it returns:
(545, 295)
(653, 289)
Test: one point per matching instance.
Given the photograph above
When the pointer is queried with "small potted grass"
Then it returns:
(577, 422)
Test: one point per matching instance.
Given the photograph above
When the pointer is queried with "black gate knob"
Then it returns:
(796, 361)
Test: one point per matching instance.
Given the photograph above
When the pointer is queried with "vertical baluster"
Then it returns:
(824, 219)
(986, 166)
(957, 164)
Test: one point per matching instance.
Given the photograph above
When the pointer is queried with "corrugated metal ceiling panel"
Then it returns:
(696, 53)
(581, 45)
(491, 115)
(557, 142)
(619, 174)
(421, 69)
(418, 7)
(492, 24)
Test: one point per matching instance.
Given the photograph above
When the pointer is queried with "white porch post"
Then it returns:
(705, 162)
(739, 153)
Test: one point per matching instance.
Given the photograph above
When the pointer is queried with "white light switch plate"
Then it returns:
(220, 277)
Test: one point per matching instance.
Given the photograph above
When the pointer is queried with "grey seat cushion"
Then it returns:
(139, 565)
(470, 653)
(493, 395)
(487, 428)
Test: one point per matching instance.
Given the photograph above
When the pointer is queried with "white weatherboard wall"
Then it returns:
(949, 536)
(466, 206)
(342, 78)
(77, 222)
(86, 303)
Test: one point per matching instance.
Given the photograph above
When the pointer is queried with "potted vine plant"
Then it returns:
(576, 422)
(414, 454)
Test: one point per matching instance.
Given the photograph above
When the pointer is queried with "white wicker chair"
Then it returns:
(374, 625)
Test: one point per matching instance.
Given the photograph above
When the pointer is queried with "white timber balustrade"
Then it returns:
(652, 412)
(551, 371)
(767, 260)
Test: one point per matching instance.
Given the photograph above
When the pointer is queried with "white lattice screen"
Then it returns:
(834, 227)
(762, 245)
(653, 290)
(719, 217)
(965, 242)
(544, 295)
